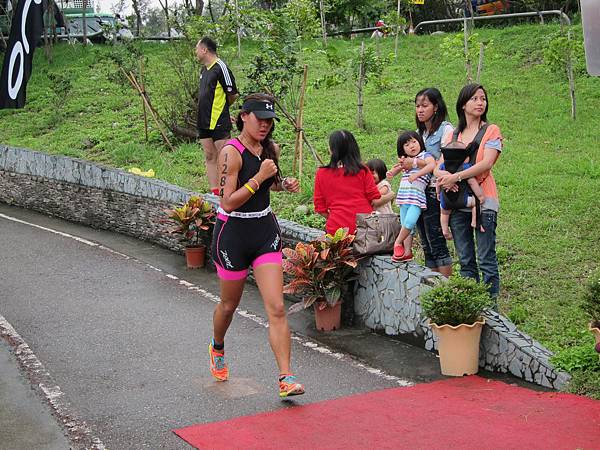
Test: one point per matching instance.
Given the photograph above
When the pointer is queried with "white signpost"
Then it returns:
(590, 16)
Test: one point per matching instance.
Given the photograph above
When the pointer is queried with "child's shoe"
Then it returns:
(407, 257)
(398, 253)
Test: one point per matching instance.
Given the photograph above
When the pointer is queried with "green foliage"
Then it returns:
(338, 69)
(196, 27)
(591, 298)
(303, 16)
(393, 20)
(580, 357)
(585, 382)
(61, 85)
(453, 46)
(456, 301)
(375, 64)
(557, 51)
(274, 69)
(123, 58)
(318, 269)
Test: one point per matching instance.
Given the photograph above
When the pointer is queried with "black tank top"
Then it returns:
(250, 166)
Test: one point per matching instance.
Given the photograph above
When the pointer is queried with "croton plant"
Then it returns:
(193, 217)
(319, 268)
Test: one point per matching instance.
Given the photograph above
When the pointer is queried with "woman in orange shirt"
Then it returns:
(471, 108)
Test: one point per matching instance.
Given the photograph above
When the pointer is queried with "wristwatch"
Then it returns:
(459, 179)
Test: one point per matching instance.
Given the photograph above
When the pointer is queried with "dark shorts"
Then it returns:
(215, 135)
(239, 243)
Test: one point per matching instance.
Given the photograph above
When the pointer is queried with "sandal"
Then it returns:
(398, 253)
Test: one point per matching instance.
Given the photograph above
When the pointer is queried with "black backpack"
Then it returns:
(455, 153)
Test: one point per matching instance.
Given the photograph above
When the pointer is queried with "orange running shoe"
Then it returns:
(218, 368)
(289, 387)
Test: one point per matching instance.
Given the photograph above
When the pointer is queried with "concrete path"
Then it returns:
(111, 334)
(121, 337)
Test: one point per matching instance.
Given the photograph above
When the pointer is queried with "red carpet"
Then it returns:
(461, 413)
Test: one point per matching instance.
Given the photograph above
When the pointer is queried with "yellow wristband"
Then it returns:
(257, 183)
(252, 191)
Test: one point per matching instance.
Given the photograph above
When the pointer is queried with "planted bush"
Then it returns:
(192, 218)
(456, 301)
(319, 269)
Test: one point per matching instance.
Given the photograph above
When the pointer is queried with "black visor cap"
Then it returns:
(261, 109)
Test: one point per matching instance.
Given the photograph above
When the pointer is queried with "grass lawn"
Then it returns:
(548, 175)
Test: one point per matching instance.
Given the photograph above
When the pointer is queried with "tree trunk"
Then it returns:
(238, 30)
(210, 10)
(225, 7)
(199, 7)
(397, 32)
(138, 16)
(480, 64)
(84, 23)
(323, 27)
(466, 45)
(570, 77)
(165, 8)
(360, 120)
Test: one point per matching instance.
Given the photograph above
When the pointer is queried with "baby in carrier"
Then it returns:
(469, 194)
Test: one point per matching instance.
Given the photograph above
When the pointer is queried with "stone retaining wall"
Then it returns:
(386, 299)
(102, 197)
(386, 294)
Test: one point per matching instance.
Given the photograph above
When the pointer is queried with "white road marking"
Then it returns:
(35, 370)
(306, 342)
(78, 239)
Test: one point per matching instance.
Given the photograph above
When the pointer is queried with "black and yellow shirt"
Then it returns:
(216, 82)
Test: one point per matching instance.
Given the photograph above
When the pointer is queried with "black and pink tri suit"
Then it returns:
(250, 235)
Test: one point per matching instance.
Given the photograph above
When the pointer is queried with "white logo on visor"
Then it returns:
(269, 106)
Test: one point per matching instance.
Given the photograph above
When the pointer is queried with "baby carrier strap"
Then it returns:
(458, 200)
(475, 143)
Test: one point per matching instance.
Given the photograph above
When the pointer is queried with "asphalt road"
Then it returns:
(121, 330)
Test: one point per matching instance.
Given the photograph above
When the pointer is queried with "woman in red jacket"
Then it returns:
(345, 186)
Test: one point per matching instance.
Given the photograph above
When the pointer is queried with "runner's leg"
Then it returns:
(269, 278)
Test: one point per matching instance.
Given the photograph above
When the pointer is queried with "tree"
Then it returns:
(140, 9)
(118, 8)
(155, 21)
(165, 8)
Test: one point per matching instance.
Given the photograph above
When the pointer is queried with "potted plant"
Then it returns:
(318, 270)
(192, 218)
(454, 309)
(591, 305)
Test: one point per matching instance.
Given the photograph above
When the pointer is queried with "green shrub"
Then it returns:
(591, 299)
(579, 357)
(585, 383)
(456, 301)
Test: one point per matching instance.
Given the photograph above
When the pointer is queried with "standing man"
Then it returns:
(217, 91)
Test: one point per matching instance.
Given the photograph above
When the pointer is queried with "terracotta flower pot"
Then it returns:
(596, 332)
(195, 256)
(329, 318)
(458, 348)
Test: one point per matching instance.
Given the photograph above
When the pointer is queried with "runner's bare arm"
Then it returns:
(228, 165)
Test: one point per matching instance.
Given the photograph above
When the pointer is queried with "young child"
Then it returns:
(445, 212)
(411, 192)
(382, 205)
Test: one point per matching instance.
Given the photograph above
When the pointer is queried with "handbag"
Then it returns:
(375, 233)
